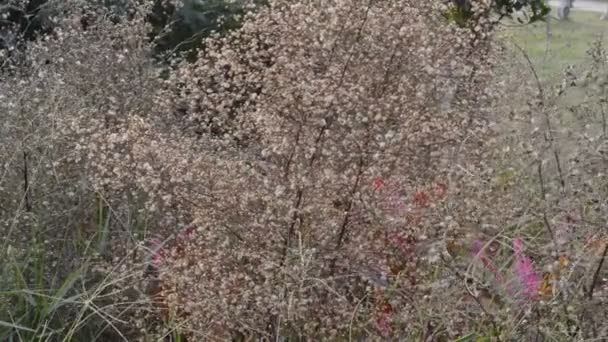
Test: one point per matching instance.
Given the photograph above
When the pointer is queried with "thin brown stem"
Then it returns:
(544, 197)
(26, 183)
(596, 274)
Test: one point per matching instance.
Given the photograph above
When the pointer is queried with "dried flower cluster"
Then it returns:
(284, 125)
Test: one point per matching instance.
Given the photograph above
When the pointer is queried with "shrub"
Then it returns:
(285, 123)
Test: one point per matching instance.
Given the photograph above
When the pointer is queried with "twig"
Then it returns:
(484, 310)
(544, 196)
(541, 94)
(26, 184)
(597, 272)
(349, 207)
(604, 122)
(352, 317)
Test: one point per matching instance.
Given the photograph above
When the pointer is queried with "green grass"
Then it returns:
(566, 46)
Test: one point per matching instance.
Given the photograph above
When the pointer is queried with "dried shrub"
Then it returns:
(284, 126)
(329, 170)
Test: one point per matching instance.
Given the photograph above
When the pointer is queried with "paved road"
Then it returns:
(585, 5)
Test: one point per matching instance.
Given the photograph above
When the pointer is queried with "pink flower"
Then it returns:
(158, 252)
(378, 183)
(421, 198)
(404, 242)
(524, 269)
(158, 246)
(186, 233)
(527, 280)
(384, 319)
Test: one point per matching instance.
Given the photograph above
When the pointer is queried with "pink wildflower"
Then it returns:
(524, 269)
(158, 252)
(159, 246)
(383, 321)
(526, 277)
(404, 242)
(378, 183)
(421, 198)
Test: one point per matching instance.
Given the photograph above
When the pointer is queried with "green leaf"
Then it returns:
(58, 296)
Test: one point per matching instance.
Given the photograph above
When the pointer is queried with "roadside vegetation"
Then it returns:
(345, 170)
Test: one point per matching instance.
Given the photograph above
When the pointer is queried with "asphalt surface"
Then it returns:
(585, 5)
